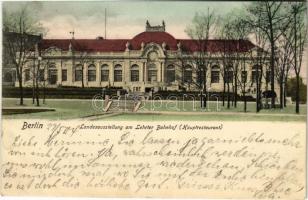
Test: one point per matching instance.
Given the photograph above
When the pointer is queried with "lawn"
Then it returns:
(75, 109)
(203, 117)
(216, 107)
(65, 109)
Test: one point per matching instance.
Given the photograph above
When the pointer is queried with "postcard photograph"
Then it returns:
(154, 99)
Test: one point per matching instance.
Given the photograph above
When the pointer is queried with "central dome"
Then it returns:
(155, 37)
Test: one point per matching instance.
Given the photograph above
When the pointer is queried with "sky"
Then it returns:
(124, 19)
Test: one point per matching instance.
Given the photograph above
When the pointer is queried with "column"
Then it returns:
(159, 72)
(98, 74)
(145, 72)
(73, 66)
(85, 74)
(45, 74)
(162, 72)
(70, 73)
(141, 73)
(111, 73)
(125, 69)
(59, 74)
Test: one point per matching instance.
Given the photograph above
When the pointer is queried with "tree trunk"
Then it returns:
(257, 95)
(232, 99)
(235, 96)
(205, 90)
(201, 99)
(82, 81)
(37, 94)
(205, 99)
(281, 93)
(223, 94)
(44, 92)
(228, 97)
(235, 89)
(245, 102)
(297, 94)
(285, 93)
(33, 90)
(37, 84)
(21, 92)
(272, 65)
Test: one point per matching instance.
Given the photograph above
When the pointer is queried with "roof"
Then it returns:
(217, 45)
(155, 37)
(119, 45)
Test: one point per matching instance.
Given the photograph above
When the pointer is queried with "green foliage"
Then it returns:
(291, 90)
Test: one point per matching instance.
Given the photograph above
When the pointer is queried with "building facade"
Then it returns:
(151, 61)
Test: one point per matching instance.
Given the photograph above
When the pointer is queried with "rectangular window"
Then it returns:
(152, 75)
(229, 76)
(134, 76)
(52, 76)
(188, 76)
(27, 74)
(78, 75)
(41, 75)
(268, 76)
(117, 75)
(105, 75)
(91, 75)
(214, 76)
(254, 76)
(170, 76)
(244, 76)
(64, 75)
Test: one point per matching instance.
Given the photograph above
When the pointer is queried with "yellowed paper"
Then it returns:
(154, 159)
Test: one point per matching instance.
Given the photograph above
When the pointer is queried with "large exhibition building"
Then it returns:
(152, 60)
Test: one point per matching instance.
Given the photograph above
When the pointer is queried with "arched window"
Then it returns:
(229, 74)
(152, 72)
(78, 72)
(255, 73)
(170, 73)
(134, 73)
(52, 74)
(91, 73)
(215, 72)
(117, 73)
(104, 73)
(188, 74)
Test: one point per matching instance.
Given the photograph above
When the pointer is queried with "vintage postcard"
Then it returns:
(167, 99)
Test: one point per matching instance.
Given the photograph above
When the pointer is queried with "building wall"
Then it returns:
(144, 58)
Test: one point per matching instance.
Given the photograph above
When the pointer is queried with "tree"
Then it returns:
(43, 68)
(298, 10)
(201, 29)
(284, 61)
(236, 29)
(80, 56)
(292, 87)
(269, 18)
(36, 65)
(19, 37)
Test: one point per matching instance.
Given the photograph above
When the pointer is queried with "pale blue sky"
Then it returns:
(124, 19)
